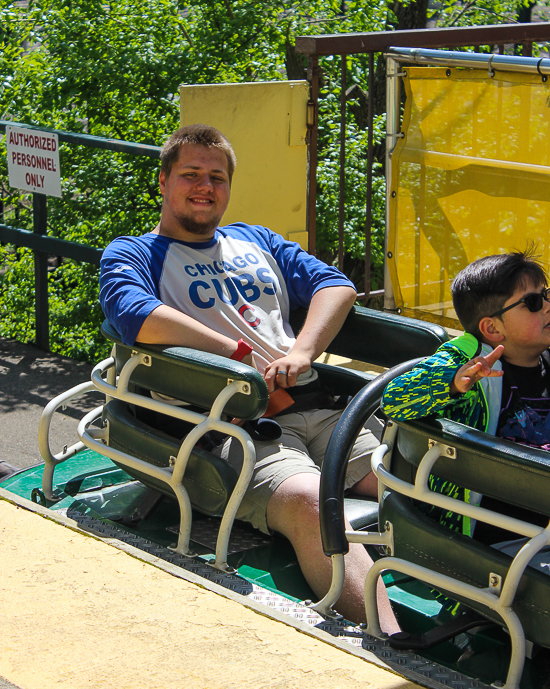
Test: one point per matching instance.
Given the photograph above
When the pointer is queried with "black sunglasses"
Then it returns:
(532, 301)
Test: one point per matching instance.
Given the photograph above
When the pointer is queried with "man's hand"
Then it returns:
(283, 372)
(327, 311)
(474, 370)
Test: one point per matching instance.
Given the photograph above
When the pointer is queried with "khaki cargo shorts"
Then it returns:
(300, 450)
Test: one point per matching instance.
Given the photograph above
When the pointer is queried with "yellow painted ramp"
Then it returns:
(77, 612)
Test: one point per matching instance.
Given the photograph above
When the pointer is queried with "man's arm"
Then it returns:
(327, 312)
(169, 326)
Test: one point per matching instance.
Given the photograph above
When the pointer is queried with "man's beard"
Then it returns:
(199, 228)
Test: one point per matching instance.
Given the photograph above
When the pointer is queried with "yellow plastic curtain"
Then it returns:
(470, 178)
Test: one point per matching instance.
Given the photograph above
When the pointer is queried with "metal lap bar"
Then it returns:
(519, 563)
(442, 581)
(51, 460)
(120, 391)
(172, 476)
(324, 606)
(420, 491)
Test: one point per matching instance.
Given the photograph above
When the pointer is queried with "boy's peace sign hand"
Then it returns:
(474, 370)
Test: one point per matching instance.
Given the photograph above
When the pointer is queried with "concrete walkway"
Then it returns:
(78, 612)
(29, 379)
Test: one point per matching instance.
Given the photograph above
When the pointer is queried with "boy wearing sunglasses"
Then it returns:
(495, 377)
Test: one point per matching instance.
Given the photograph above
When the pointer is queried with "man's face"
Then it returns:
(196, 193)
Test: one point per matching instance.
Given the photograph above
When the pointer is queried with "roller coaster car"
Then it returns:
(165, 480)
(502, 582)
(164, 444)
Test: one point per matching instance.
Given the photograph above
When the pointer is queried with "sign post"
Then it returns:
(33, 165)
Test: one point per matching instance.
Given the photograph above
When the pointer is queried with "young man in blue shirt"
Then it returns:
(229, 290)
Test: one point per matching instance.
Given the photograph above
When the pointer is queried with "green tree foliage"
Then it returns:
(113, 69)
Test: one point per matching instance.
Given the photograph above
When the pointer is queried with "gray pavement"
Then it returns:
(29, 379)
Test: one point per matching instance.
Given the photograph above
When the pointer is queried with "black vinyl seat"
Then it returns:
(197, 378)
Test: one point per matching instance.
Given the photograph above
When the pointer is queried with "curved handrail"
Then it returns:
(333, 475)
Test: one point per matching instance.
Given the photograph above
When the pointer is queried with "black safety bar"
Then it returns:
(335, 464)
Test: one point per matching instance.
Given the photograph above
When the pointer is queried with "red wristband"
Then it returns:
(243, 348)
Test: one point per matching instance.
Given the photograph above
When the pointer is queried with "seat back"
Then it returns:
(380, 338)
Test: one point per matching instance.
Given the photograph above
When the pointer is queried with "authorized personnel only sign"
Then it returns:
(33, 160)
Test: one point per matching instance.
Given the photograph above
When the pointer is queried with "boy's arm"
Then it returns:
(426, 389)
(476, 369)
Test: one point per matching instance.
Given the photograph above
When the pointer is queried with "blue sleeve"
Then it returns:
(304, 274)
(130, 274)
(425, 389)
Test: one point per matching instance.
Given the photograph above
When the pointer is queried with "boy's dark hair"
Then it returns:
(483, 287)
(200, 135)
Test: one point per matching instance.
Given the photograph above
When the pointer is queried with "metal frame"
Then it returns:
(97, 439)
(392, 134)
(496, 596)
(315, 47)
(398, 56)
(454, 58)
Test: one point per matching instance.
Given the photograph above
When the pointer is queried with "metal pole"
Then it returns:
(40, 226)
(370, 157)
(342, 190)
(392, 125)
(312, 125)
(516, 63)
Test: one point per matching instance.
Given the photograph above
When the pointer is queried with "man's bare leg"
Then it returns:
(293, 510)
(367, 486)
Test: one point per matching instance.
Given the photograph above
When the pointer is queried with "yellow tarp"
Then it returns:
(471, 178)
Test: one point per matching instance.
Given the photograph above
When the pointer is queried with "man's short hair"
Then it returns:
(199, 135)
(484, 286)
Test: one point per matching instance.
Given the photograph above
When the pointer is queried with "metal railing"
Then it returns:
(39, 241)
(315, 47)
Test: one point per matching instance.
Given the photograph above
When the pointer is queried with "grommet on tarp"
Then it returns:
(544, 76)
(490, 70)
